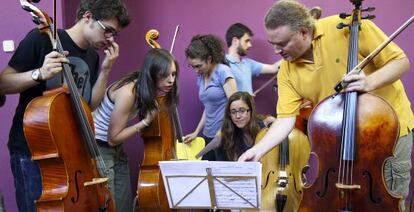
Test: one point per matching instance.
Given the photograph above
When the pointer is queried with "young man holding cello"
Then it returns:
(317, 52)
(33, 68)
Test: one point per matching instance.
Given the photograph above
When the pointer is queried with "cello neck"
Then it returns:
(151, 36)
(177, 125)
(283, 154)
(353, 37)
(348, 128)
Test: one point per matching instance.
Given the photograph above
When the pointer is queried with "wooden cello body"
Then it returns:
(159, 140)
(283, 169)
(282, 182)
(352, 136)
(70, 179)
(375, 138)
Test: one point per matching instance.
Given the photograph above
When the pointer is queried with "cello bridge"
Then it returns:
(282, 180)
(349, 187)
(95, 181)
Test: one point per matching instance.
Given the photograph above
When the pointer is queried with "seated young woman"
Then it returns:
(240, 127)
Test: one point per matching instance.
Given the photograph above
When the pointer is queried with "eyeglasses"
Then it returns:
(241, 111)
(108, 30)
(198, 66)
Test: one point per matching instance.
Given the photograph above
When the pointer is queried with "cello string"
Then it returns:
(346, 146)
(282, 159)
(354, 104)
(353, 95)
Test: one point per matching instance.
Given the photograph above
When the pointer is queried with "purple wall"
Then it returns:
(194, 17)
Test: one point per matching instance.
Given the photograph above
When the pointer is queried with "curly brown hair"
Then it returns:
(204, 47)
(289, 13)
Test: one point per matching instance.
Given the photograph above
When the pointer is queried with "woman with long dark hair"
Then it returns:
(131, 96)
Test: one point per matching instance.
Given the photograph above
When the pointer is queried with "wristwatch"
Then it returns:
(36, 75)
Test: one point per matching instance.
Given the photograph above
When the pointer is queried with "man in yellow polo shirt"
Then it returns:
(315, 57)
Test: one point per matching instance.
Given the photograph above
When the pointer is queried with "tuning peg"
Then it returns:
(28, 9)
(341, 25)
(369, 17)
(36, 20)
(344, 15)
(368, 9)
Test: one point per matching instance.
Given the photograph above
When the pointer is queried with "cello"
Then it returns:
(284, 167)
(72, 170)
(352, 134)
(159, 139)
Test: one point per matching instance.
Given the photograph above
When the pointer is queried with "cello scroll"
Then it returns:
(151, 37)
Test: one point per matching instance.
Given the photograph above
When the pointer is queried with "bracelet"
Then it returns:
(144, 123)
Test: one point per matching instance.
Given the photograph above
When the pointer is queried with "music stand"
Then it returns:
(212, 185)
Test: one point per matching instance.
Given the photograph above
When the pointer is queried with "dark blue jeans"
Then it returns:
(27, 180)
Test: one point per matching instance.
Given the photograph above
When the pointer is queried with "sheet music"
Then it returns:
(226, 198)
(236, 184)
